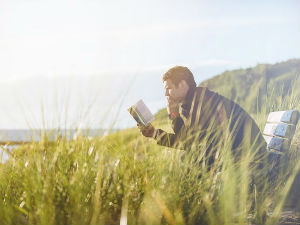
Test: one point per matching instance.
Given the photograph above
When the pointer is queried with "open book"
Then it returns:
(140, 112)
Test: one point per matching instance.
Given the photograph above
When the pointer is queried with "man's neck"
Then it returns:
(186, 103)
(189, 96)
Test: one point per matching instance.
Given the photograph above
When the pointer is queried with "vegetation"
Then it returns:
(254, 87)
(126, 177)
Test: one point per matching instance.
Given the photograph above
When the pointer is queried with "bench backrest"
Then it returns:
(280, 129)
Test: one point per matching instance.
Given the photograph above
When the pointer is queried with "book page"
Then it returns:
(141, 113)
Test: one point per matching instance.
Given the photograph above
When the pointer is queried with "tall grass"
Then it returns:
(128, 179)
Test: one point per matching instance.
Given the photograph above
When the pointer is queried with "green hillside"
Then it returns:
(252, 87)
(258, 89)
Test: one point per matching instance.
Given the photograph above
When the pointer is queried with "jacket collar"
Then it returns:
(187, 102)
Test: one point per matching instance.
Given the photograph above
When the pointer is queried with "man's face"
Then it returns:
(175, 93)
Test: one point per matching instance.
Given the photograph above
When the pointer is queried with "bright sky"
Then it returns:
(60, 37)
(111, 38)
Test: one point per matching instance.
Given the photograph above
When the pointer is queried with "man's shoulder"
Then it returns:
(216, 97)
(207, 93)
(206, 90)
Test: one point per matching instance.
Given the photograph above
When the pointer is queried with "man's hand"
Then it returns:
(147, 131)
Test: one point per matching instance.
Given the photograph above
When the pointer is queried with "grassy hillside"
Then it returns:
(253, 87)
(124, 178)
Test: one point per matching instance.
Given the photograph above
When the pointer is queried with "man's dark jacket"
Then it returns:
(207, 119)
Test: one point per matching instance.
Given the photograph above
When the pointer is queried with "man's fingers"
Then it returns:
(147, 131)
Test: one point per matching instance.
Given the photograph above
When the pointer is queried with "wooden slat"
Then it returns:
(279, 129)
(290, 116)
(277, 143)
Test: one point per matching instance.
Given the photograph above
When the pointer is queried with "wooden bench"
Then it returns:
(280, 129)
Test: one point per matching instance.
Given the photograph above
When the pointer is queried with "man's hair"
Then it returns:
(179, 73)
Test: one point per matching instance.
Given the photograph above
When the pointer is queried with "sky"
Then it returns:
(58, 54)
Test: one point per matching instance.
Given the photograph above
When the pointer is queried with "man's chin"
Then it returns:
(177, 102)
(172, 100)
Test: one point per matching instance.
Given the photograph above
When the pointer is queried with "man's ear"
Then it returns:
(183, 84)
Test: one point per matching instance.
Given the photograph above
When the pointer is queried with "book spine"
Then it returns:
(141, 118)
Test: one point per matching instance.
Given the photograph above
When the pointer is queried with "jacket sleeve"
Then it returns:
(169, 139)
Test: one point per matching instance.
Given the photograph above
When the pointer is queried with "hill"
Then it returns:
(252, 87)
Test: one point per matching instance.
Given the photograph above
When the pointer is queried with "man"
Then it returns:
(203, 119)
